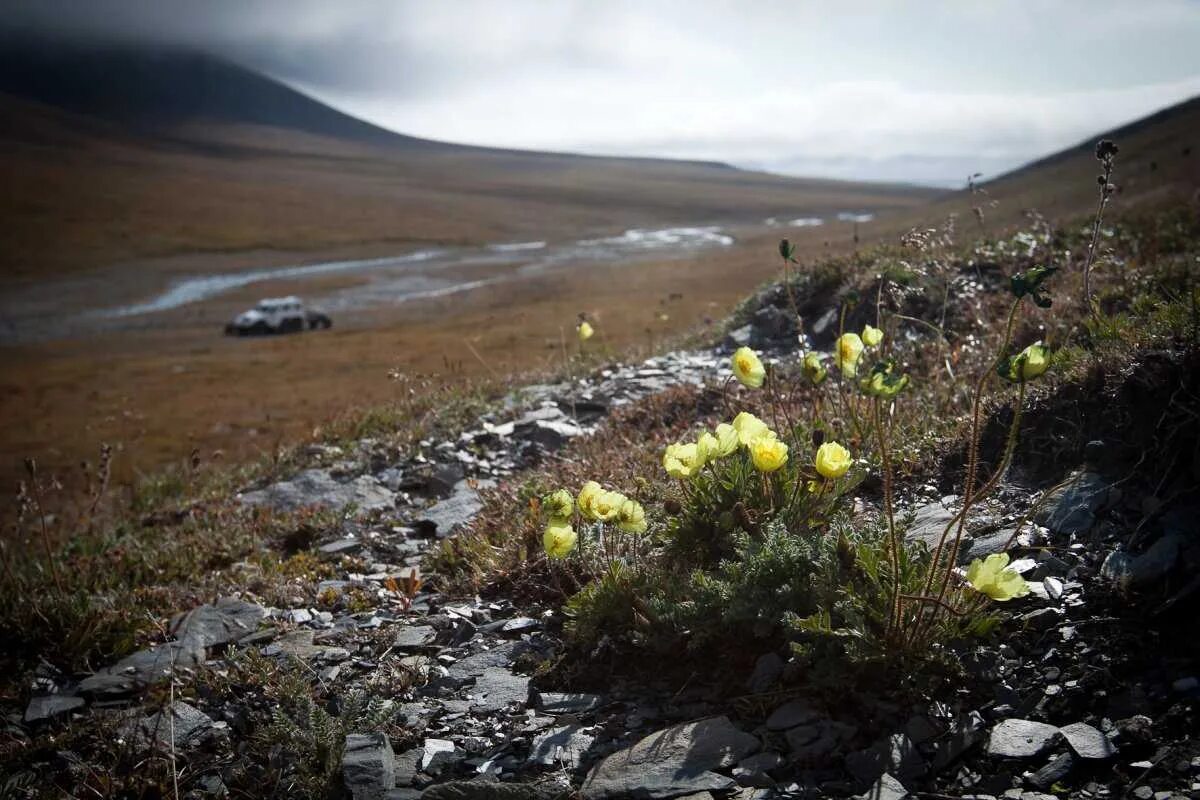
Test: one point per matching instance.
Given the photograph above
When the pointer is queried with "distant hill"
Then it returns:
(115, 154)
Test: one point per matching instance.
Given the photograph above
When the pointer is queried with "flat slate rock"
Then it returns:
(414, 637)
(568, 703)
(886, 788)
(1088, 742)
(448, 516)
(219, 623)
(1072, 508)
(561, 746)
(497, 688)
(672, 762)
(791, 714)
(317, 487)
(179, 726)
(136, 672)
(492, 790)
(1020, 738)
(50, 706)
(368, 766)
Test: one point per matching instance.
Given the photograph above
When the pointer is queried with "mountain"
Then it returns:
(119, 154)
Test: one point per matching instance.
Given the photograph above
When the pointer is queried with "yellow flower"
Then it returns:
(814, 370)
(585, 331)
(993, 577)
(606, 505)
(748, 368)
(727, 439)
(832, 460)
(559, 540)
(706, 447)
(587, 496)
(768, 453)
(1027, 364)
(559, 504)
(871, 336)
(682, 460)
(631, 517)
(848, 350)
(749, 427)
(883, 381)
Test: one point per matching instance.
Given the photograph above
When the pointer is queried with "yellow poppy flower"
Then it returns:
(814, 370)
(587, 496)
(706, 447)
(748, 368)
(871, 336)
(749, 427)
(727, 439)
(682, 460)
(631, 517)
(558, 504)
(1027, 364)
(768, 453)
(847, 352)
(585, 331)
(992, 577)
(832, 461)
(605, 505)
(559, 540)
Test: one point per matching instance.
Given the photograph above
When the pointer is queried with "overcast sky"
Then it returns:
(916, 90)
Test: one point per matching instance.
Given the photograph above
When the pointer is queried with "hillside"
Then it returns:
(115, 155)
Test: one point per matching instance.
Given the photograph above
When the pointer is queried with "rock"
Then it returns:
(885, 788)
(368, 766)
(738, 337)
(895, 754)
(791, 714)
(439, 754)
(551, 434)
(565, 746)
(497, 688)
(491, 790)
(136, 672)
(299, 644)
(1072, 508)
(966, 732)
(501, 655)
(180, 726)
(519, 625)
(339, 547)
(771, 325)
(928, 524)
(225, 621)
(1042, 619)
(1020, 738)
(752, 770)
(318, 487)
(447, 516)
(1088, 742)
(672, 762)
(1059, 767)
(816, 742)
(406, 766)
(50, 706)
(414, 637)
(766, 673)
(567, 703)
(1148, 568)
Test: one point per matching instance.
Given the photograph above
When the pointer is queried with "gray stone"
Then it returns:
(448, 516)
(561, 746)
(816, 742)
(318, 487)
(1042, 619)
(492, 790)
(299, 644)
(1057, 769)
(520, 625)
(895, 754)
(222, 622)
(368, 766)
(930, 522)
(414, 637)
(497, 688)
(340, 547)
(1072, 508)
(1088, 742)
(738, 337)
(502, 655)
(403, 793)
(407, 764)
(1020, 738)
(136, 672)
(767, 671)
(885, 788)
(180, 726)
(752, 770)
(1146, 569)
(567, 703)
(50, 706)
(672, 762)
(438, 754)
(791, 714)
(966, 732)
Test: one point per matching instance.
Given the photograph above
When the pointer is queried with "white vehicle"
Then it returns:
(277, 315)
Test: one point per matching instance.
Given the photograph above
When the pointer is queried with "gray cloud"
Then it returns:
(858, 88)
